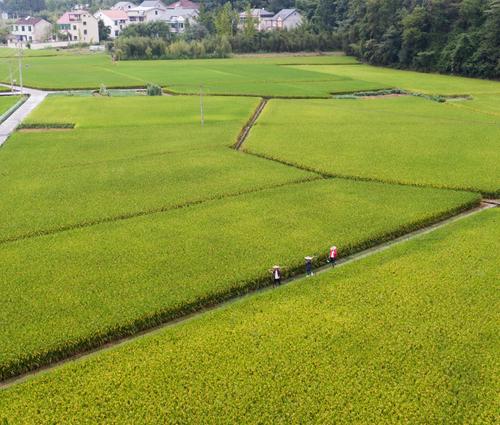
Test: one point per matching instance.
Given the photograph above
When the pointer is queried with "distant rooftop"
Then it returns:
(28, 21)
(183, 4)
(115, 14)
(284, 13)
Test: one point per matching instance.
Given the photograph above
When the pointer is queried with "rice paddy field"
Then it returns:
(408, 335)
(6, 102)
(248, 76)
(123, 214)
(406, 139)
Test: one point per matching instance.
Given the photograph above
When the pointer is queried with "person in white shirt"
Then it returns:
(276, 271)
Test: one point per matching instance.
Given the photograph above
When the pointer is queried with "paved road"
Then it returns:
(9, 125)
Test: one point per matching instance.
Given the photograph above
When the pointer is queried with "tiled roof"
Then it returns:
(28, 21)
(284, 13)
(183, 4)
(115, 14)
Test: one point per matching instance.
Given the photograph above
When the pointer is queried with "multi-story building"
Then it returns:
(285, 19)
(31, 30)
(79, 25)
(258, 16)
(116, 20)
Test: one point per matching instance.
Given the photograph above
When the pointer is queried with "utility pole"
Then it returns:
(11, 80)
(201, 106)
(20, 56)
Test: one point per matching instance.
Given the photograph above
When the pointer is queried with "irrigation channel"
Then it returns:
(37, 96)
(484, 205)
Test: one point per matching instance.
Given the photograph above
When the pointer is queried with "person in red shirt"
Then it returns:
(332, 255)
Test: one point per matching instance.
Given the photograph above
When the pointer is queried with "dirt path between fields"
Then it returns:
(485, 204)
(245, 130)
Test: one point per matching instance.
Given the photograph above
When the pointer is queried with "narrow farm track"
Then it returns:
(245, 130)
(485, 204)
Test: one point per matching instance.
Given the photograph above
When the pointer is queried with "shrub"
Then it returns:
(153, 90)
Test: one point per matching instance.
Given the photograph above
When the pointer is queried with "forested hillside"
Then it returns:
(452, 36)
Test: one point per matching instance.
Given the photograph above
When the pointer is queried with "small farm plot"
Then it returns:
(245, 76)
(404, 139)
(410, 333)
(7, 102)
(87, 285)
(420, 82)
(144, 155)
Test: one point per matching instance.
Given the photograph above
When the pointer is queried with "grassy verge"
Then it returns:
(407, 335)
(87, 286)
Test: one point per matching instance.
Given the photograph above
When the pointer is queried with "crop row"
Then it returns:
(86, 286)
(398, 140)
(407, 335)
(112, 169)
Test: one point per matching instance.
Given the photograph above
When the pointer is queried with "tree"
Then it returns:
(249, 24)
(225, 20)
(104, 31)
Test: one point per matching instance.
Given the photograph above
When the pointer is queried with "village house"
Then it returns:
(30, 30)
(123, 5)
(258, 16)
(79, 25)
(147, 11)
(285, 19)
(116, 20)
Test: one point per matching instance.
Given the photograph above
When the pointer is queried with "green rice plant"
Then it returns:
(89, 285)
(7, 102)
(243, 76)
(403, 139)
(144, 155)
(433, 84)
(409, 335)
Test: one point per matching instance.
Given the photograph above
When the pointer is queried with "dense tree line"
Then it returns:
(452, 36)
(217, 33)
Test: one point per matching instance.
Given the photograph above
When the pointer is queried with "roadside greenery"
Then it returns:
(407, 335)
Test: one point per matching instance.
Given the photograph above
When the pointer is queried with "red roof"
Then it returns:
(115, 14)
(184, 4)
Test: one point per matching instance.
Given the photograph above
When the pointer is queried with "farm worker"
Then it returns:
(276, 271)
(309, 266)
(332, 256)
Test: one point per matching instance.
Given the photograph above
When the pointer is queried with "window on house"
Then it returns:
(116, 23)
(29, 28)
(31, 38)
(156, 12)
(17, 28)
(74, 27)
(116, 33)
(84, 32)
(22, 28)
(84, 22)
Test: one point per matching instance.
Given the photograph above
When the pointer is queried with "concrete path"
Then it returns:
(35, 97)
